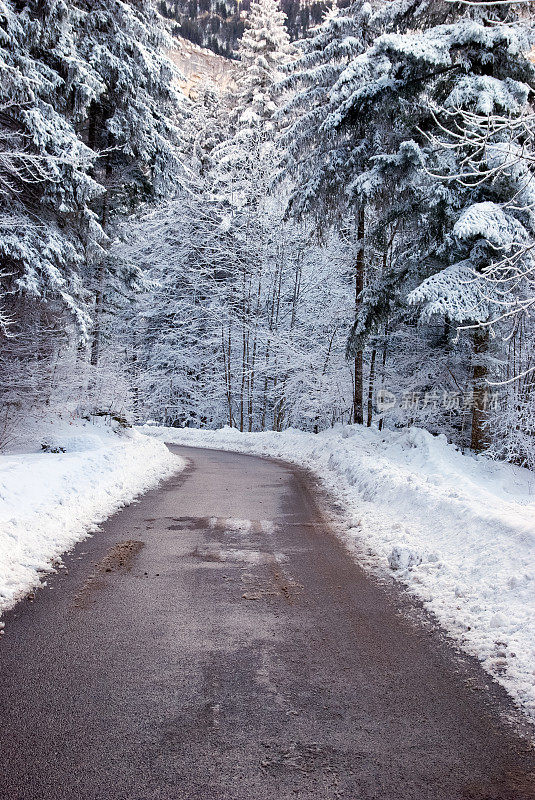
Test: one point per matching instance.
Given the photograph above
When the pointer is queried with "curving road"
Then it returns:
(216, 642)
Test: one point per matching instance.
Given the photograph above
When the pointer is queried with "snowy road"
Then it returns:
(216, 642)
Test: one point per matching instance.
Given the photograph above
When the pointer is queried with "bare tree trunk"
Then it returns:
(266, 383)
(297, 287)
(383, 369)
(358, 384)
(370, 387)
(276, 405)
(274, 306)
(134, 374)
(480, 439)
(280, 408)
(327, 357)
(228, 375)
(101, 279)
(229, 358)
(255, 346)
(243, 377)
(251, 385)
(278, 414)
(99, 307)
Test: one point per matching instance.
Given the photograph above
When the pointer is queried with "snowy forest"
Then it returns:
(342, 234)
(219, 24)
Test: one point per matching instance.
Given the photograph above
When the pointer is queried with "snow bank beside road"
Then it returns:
(49, 501)
(458, 530)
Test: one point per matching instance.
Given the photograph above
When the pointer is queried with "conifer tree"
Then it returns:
(89, 127)
(410, 81)
(331, 156)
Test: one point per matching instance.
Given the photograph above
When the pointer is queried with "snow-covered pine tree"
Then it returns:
(487, 126)
(243, 169)
(48, 229)
(321, 58)
(330, 156)
(135, 123)
(77, 79)
(472, 57)
(244, 162)
(47, 181)
(264, 48)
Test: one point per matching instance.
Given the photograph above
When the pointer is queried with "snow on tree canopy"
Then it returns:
(456, 293)
(89, 126)
(244, 161)
(325, 55)
(460, 292)
(435, 46)
(488, 95)
(264, 48)
(490, 222)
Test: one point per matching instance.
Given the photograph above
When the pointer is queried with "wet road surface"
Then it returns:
(216, 642)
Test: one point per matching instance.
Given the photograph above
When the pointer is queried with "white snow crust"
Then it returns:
(50, 500)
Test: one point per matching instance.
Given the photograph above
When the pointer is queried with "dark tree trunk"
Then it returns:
(100, 279)
(99, 307)
(370, 387)
(480, 440)
(358, 386)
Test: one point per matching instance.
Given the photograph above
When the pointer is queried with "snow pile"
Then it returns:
(458, 530)
(50, 500)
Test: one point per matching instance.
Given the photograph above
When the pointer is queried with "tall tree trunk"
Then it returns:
(383, 369)
(276, 404)
(370, 387)
(358, 383)
(134, 375)
(228, 376)
(252, 365)
(251, 385)
(480, 440)
(243, 378)
(99, 307)
(266, 383)
(101, 279)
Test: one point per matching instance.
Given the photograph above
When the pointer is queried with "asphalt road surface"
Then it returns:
(216, 642)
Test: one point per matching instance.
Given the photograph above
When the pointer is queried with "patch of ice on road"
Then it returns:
(267, 526)
(221, 554)
(235, 525)
(255, 556)
(242, 525)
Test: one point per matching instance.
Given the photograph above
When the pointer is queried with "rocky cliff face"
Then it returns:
(199, 65)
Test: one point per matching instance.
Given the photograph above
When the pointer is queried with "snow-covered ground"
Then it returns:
(49, 501)
(458, 530)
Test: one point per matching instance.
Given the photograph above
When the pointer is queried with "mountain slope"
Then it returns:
(218, 24)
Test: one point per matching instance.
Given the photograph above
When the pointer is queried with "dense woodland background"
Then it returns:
(219, 24)
(345, 235)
